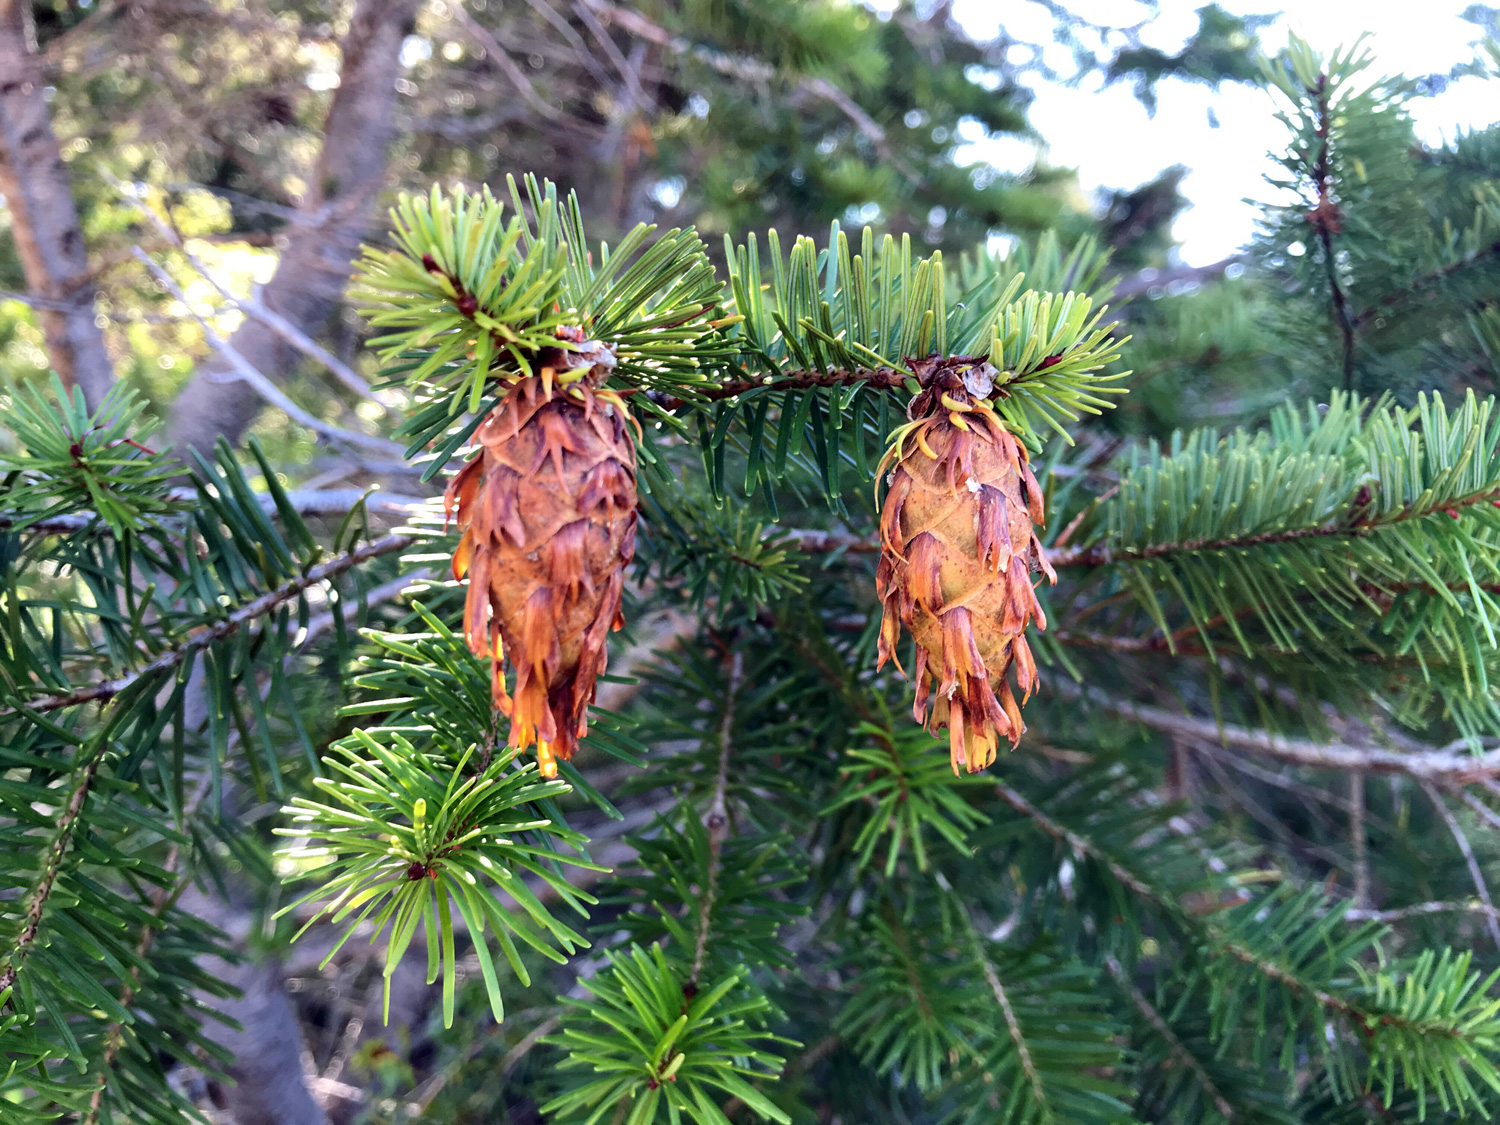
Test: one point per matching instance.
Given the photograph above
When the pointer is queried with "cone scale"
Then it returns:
(958, 550)
(547, 512)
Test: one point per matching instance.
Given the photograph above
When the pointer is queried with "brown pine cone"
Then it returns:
(548, 514)
(957, 553)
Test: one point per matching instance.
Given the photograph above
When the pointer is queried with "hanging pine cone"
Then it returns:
(548, 514)
(957, 553)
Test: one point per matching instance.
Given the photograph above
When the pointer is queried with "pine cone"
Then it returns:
(957, 553)
(548, 514)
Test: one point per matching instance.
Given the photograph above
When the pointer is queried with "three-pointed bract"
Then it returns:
(958, 548)
(548, 515)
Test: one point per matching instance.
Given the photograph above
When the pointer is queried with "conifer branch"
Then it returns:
(164, 898)
(1012, 1024)
(211, 634)
(1101, 554)
(1180, 1053)
(1425, 282)
(1082, 846)
(716, 822)
(51, 869)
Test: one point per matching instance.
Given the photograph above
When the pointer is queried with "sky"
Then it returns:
(1109, 137)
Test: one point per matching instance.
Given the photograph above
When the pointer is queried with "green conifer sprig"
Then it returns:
(1355, 532)
(472, 299)
(404, 842)
(658, 1043)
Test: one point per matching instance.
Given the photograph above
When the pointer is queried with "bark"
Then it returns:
(269, 1087)
(44, 221)
(324, 239)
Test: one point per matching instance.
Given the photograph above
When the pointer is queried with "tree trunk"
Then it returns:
(324, 239)
(44, 221)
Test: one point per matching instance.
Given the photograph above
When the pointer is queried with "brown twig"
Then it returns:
(207, 636)
(884, 378)
(1325, 218)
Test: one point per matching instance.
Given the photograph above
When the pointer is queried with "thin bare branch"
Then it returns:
(252, 306)
(1402, 913)
(498, 57)
(755, 71)
(245, 372)
(1357, 843)
(305, 502)
(1467, 850)
(1436, 765)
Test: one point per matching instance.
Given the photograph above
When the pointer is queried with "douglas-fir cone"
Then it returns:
(548, 515)
(958, 549)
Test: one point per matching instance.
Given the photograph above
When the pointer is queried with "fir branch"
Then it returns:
(1425, 282)
(164, 898)
(1100, 554)
(1219, 938)
(1082, 846)
(1180, 1053)
(211, 634)
(51, 869)
(716, 823)
(1012, 1024)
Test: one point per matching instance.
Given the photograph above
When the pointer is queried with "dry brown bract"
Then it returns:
(548, 515)
(957, 553)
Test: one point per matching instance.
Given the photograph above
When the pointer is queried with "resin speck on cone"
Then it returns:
(958, 549)
(548, 515)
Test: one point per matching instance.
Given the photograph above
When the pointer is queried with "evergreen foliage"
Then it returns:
(815, 919)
